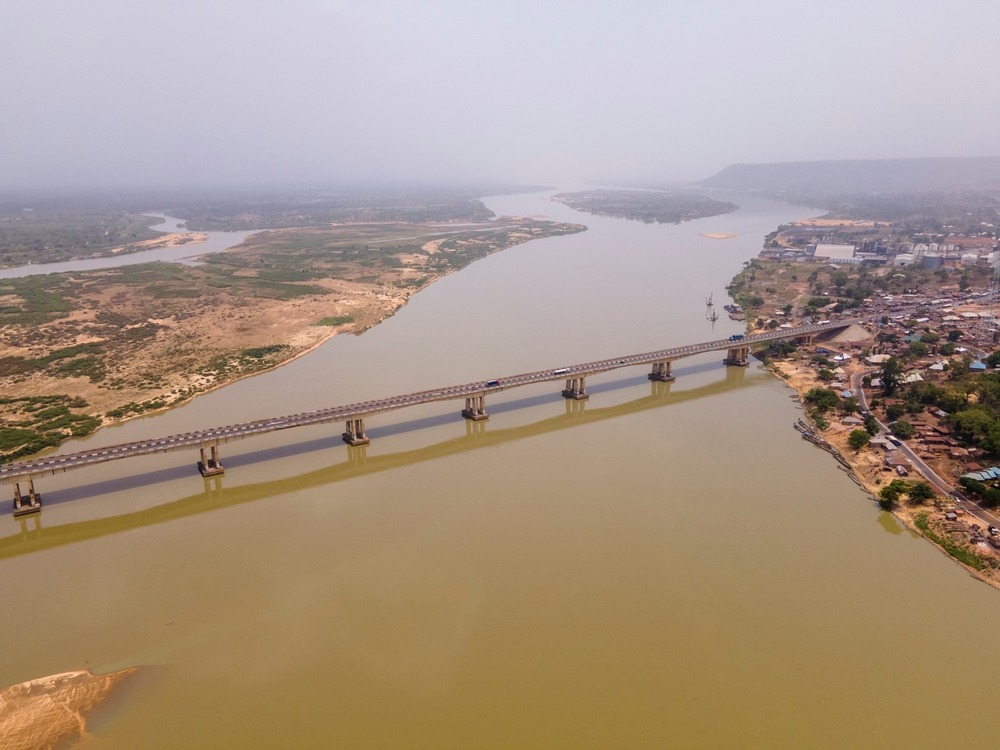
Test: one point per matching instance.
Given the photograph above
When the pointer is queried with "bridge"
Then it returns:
(207, 441)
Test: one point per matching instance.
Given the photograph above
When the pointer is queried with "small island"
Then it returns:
(649, 206)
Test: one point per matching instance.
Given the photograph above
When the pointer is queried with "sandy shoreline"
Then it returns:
(866, 466)
(49, 711)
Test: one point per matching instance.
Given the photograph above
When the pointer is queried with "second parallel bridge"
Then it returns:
(354, 414)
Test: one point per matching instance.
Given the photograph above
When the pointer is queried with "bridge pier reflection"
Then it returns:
(211, 465)
(355, 434)
(475, 408)
(661, 372)
(213, 486)
(659, 388)
(32, 503)
(475, 428)
(576, 389)
(36, 528)
(357, 455)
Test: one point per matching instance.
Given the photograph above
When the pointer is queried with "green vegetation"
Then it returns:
(858, 439)
(647, 206)
(902, 429)
(822, 399)
(47, 229)
(38, 422)
(963, 555)
(336, 320)
(917, 492)
(151, 329)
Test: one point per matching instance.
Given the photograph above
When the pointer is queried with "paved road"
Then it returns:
(928, 473)
(22, 470)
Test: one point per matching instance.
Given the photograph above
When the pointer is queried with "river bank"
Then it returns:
(961, 537)
(103, 346)
(50, 711)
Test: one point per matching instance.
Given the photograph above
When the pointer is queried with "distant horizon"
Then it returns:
(379, 184)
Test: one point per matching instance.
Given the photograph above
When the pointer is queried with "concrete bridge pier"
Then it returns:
(32, 503)
(738, 357)
(355, 434)
(661, 372)
(475, 408)
(576, 389)
(211, 465)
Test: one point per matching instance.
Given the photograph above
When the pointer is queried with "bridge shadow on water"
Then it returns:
(33, 536)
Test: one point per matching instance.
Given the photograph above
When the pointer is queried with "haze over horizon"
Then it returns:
(116, 92)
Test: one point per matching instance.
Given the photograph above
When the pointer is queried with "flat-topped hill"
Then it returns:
(860, 176)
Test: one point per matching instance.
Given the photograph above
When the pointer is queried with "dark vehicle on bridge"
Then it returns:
(492, 383)
(737, 337)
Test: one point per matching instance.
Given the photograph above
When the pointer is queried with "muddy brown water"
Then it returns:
(660, 566)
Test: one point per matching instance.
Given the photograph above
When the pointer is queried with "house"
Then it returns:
(895, 458)
(983, 476)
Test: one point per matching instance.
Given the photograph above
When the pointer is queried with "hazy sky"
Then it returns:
(250, 91)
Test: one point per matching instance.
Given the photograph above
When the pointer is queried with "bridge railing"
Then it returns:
(19, 470)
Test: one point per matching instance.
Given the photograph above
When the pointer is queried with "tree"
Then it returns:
(871, 425)
(894, 411)
(849, 405)
(840, 279)
(822, 398)
(991, 498)
(954, 335)
(888, 496)
(920, 492)
(858, 439)
(973, 423)
(903, 429)
(891, 374)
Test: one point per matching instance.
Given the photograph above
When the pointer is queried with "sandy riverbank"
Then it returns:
(49, 711)
(868, 469)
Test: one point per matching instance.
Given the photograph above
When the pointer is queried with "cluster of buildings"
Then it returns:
(931, 255)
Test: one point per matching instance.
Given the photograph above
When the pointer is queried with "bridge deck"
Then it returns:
(20, 470)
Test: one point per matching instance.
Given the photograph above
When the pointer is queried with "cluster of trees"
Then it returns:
(916, 492)
(988, 496)
(661, 207)
(971, 401)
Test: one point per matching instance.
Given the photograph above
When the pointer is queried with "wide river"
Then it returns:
(662, 566)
